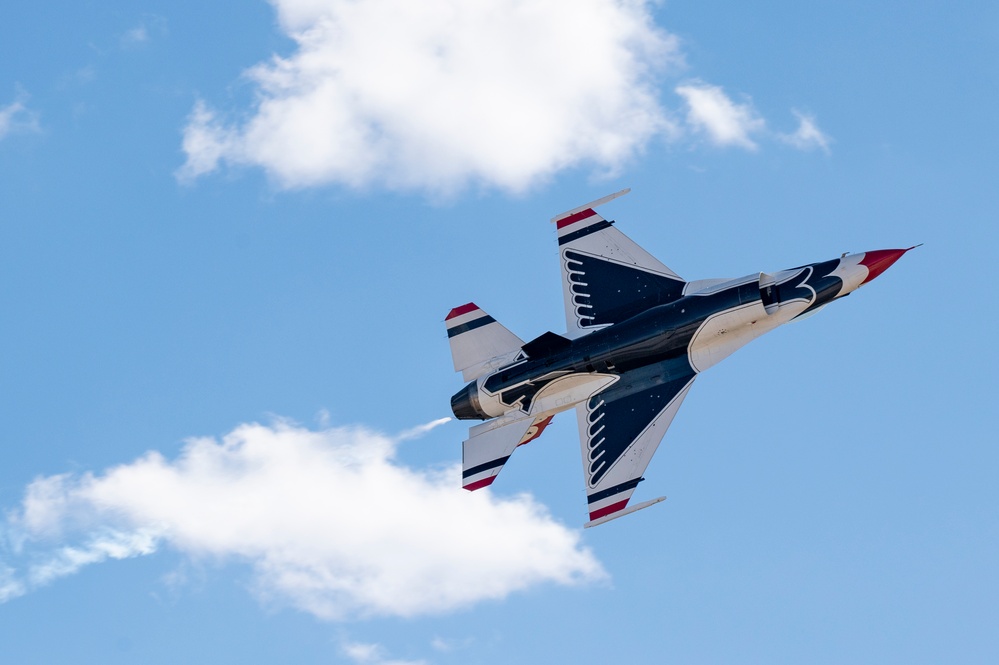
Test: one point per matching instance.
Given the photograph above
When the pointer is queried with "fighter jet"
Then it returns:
(637, 336)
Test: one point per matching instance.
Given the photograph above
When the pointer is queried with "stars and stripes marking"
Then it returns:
(535, 430)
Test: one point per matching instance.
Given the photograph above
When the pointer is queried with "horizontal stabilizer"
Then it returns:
(488, 448)
(478, 342)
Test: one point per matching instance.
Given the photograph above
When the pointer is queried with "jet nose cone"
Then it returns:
(880, 260)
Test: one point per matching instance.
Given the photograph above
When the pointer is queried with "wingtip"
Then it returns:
(591, 204)
(622, 513)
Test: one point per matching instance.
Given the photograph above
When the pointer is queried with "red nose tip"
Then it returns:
(880, 260)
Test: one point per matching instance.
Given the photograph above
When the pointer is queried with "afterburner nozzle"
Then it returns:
(465, 403)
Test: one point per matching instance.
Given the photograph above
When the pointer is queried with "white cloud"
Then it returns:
(808, 135)
(711, 111)
(17, 117)
(329, 521)
(440, 94)
(206, 142)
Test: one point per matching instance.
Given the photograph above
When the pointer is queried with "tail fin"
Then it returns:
(478, 342)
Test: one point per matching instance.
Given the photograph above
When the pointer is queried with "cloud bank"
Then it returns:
(442, 94)
(439, 94)
(329, 521)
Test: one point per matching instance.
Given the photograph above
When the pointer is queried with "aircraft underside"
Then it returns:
(637, 335)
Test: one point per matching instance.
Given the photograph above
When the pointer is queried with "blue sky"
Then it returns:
(228, 239)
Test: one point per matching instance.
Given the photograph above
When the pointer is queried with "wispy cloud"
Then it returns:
(712, 113)
(808, 136)
(17, 117)
(440, 94)
(372, 654)
(448, 645)
(137, 35)
(108, 544)
(10, 584)
(329, 520)
(140, 34)
(726, 123)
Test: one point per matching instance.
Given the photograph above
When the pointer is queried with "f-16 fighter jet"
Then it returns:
(637, 336)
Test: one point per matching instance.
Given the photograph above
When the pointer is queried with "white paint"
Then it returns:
(565, 393)
(724, 333)
(851, 272)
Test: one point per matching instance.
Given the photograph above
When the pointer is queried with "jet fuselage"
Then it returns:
(660, 336)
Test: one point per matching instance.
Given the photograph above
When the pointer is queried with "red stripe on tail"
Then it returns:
(458, 311)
